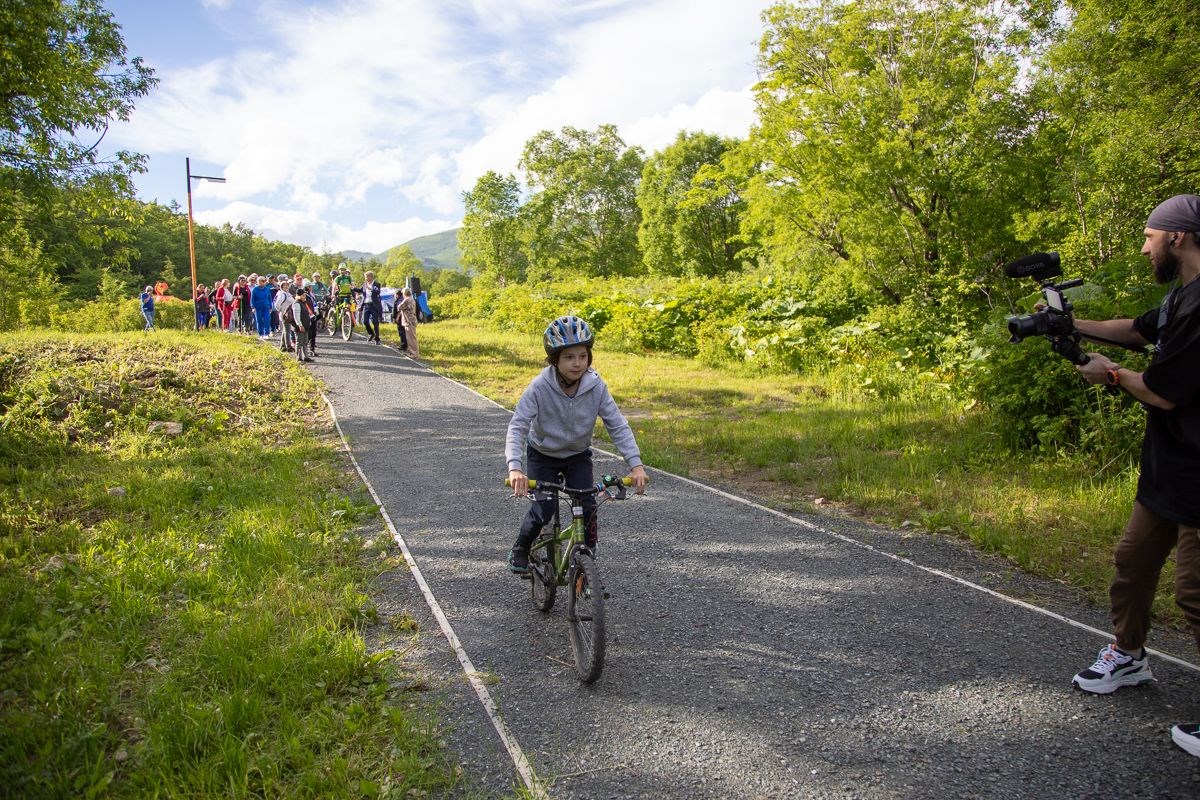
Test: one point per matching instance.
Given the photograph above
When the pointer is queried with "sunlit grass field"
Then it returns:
(813, 440)
(184, 615)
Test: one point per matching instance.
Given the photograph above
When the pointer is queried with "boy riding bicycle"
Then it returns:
(552, 428)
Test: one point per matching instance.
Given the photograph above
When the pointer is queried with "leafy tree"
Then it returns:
(64, 77)
(690, 209)
(1119, 97)
(583, 217)
(65, 73)
(890, 138)
(490, 236)
(446, 281)
(401, 263)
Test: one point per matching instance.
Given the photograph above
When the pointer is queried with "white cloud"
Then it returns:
(382, 108)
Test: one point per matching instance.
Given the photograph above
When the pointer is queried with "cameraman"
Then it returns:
(1166, 511)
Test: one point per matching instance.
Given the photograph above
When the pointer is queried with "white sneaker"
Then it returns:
(1112, 670)
(1187, 737)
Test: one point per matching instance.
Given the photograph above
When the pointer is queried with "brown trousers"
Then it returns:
(1139, 559)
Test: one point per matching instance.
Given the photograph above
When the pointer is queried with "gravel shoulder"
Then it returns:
(749, 656)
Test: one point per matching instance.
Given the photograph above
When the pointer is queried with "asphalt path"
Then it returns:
(750, 655)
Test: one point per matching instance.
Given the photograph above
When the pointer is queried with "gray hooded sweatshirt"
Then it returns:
(560, 426)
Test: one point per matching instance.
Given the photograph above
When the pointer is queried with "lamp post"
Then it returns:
(192, 236)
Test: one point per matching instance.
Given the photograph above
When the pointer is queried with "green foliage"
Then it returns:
(65, 72)
(889, 137)
(491, 232)
(690, 212)
(1119, 103)
(582, 218)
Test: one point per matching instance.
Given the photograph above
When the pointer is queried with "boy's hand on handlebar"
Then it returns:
(640, 479)
(519, 482)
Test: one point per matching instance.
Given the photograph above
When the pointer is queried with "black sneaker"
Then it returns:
(1188, 737)
(1112, 670)
(518, 561)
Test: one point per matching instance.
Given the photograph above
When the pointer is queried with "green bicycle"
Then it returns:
(342, 319)
(560, 557)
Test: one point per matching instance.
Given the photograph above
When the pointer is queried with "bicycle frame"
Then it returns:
(571, 539)
(566, 540)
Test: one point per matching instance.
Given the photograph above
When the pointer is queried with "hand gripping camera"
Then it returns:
(1054, 321)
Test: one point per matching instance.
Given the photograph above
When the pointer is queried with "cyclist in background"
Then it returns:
(343, 285)
(318, 289)
(552, 430)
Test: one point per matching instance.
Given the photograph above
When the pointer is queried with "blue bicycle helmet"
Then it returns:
(567, 332)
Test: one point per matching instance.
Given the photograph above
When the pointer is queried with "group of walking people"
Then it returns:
(291, 307)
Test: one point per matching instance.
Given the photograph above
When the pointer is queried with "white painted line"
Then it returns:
(489, 705)
(1106, 635)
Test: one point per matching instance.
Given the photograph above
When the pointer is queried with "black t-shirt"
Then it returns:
(1169, 484)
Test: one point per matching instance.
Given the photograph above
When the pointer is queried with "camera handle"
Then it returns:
(1068, 347)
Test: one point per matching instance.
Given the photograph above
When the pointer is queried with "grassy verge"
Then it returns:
(801, 441)
(182, 615)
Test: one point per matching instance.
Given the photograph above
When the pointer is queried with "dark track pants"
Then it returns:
(370, 320)
(575, 472)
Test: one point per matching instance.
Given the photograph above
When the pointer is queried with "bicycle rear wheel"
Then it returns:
(347, 325)
(541, 576)
(585, 613)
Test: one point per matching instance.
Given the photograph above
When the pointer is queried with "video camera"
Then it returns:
(1055, 321)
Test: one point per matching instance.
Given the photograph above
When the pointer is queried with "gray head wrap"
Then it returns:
(1179, 213)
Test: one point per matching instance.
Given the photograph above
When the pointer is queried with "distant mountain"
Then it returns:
(437, 250)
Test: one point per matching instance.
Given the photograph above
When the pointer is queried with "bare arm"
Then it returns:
(1096, 371)
(1116, 331)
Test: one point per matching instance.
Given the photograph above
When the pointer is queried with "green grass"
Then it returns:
(799, 441)
(183, 616)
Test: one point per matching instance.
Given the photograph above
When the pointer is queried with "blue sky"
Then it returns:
(357, 124)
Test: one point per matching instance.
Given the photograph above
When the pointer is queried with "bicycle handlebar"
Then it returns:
(605, 481)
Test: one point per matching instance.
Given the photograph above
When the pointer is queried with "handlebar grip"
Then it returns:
(626, 481)
(532, 483)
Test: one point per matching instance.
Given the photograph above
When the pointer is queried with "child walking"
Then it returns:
(552, 428)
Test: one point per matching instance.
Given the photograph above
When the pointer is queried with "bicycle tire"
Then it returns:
(544, 583)
(333, 324)
(585, 615)
(347, 325)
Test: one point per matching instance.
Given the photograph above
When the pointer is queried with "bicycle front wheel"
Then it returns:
(541, 576)
(585, 613)
(347, 325)
(331, 327)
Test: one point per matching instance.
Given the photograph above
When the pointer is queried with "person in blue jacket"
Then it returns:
(260, 301)
(148, 307)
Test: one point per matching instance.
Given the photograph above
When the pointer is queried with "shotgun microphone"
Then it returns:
(1038, 266)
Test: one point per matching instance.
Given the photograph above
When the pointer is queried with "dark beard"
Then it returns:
(1166, 268)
